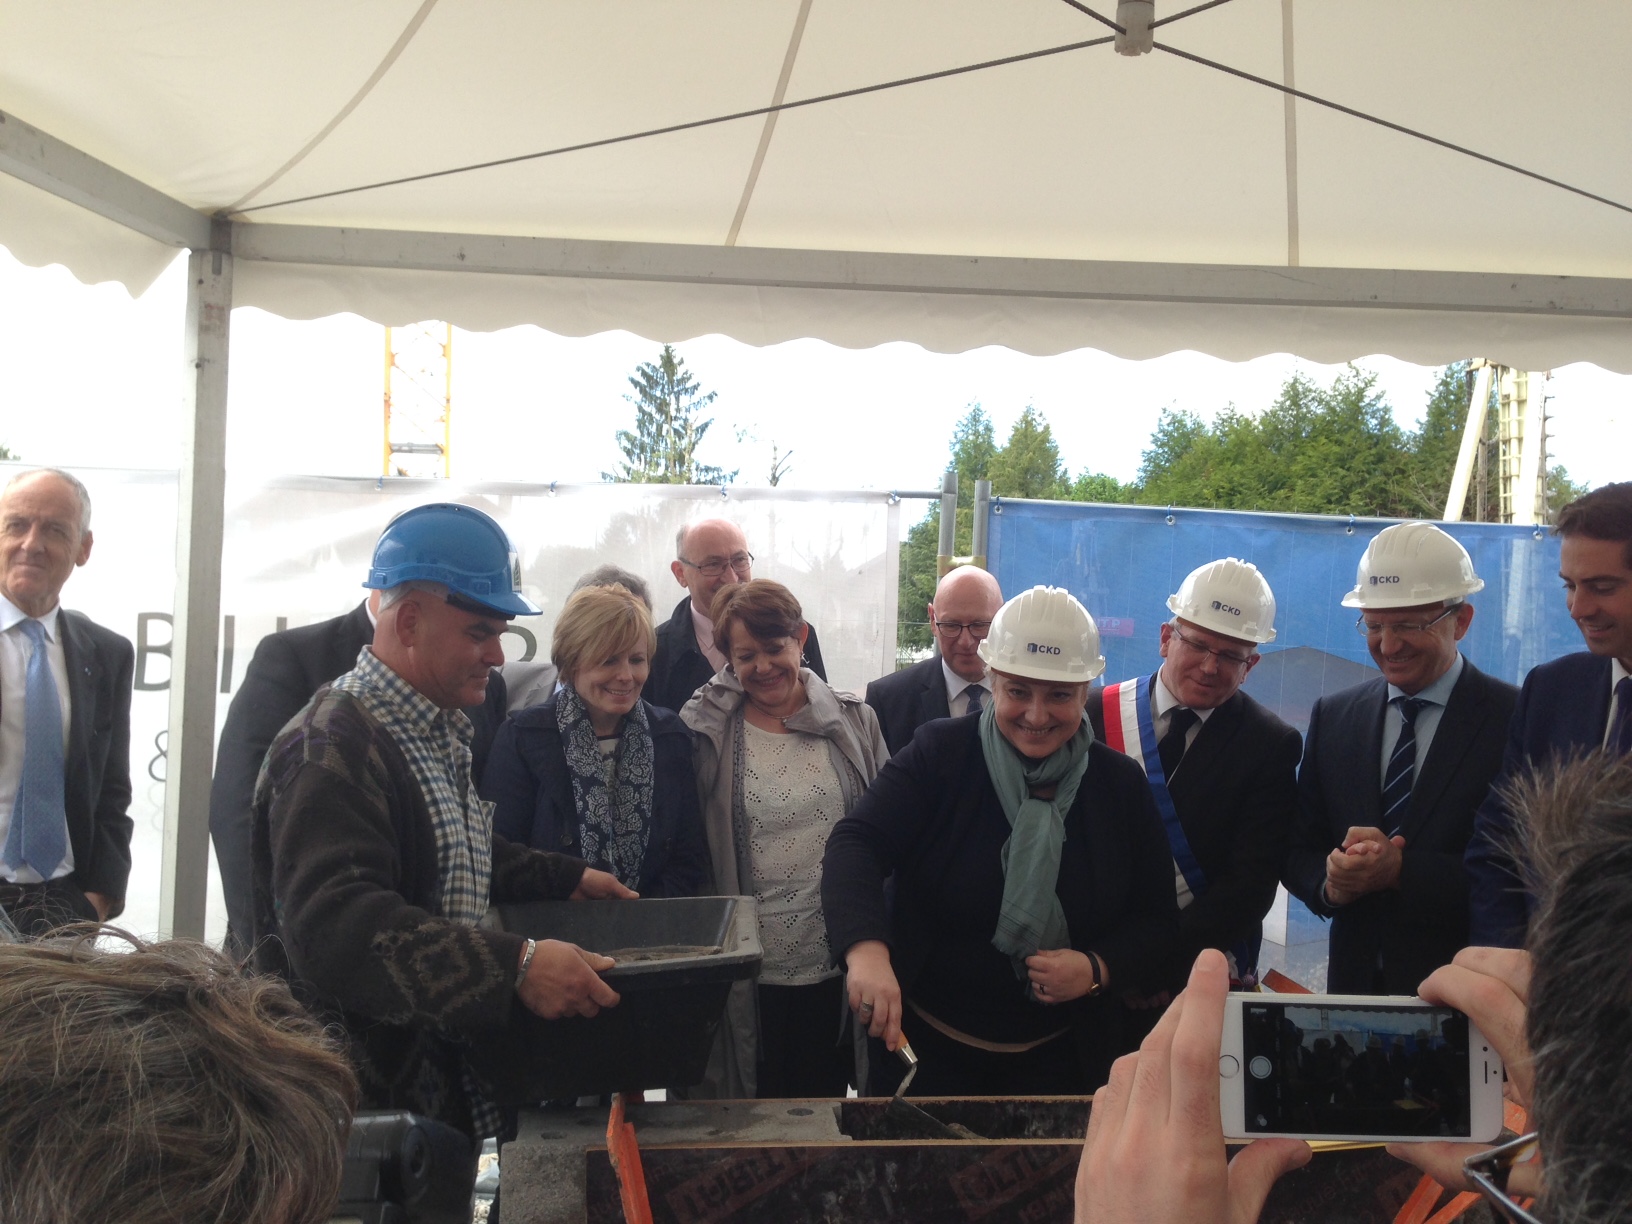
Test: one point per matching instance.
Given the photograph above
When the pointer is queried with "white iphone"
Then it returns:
(1356, 1067)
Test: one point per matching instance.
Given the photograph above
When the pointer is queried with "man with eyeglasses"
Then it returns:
(708, 556)
(955, 680)
(1394, 768)
(1568, 706)
(1222, 768)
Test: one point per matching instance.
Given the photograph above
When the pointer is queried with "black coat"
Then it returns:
(96, 792)
(679, 669)
(1563, 708)
(1423, 923)
(906, 700)
(932, 817)
(1236, 795)
(288, 667)
(527, 778)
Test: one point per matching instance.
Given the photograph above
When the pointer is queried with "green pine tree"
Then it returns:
(662, 447)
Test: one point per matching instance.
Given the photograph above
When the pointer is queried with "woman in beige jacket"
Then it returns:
(780, 759)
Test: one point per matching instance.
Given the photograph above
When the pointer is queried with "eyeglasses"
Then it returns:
(1225, 658)
(715, 566)
(1489, 1171)
(951, 629)
(1368, 628)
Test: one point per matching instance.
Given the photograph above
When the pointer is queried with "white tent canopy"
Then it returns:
(986, 178)
(1137, 205)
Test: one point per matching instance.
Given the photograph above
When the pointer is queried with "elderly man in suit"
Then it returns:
(1567, 707)
(709, 556)
(1394, 768)
(65, 687)
(954, 681)
(1222, 768)
(287, 668)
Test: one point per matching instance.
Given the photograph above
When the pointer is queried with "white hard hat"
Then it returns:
(1410, 564)
(1229, 597)
(1044, 634)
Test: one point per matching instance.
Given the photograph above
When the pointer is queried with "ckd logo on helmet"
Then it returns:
(1384, 579)
(1041, 648)
(1224, 607)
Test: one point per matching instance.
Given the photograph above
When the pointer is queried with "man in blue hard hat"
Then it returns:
(374, 858)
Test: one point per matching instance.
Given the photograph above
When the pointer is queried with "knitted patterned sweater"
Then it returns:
(345, 896)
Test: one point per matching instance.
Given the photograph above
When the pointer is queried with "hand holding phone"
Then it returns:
(1357, 1068)
(1158, 1116)
(1493, 986)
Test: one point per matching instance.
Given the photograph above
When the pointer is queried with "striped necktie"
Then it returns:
(977, 698)
(1399, 776)
(39, 830)
(1620, 734)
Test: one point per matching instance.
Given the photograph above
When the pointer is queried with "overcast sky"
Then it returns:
(90, 376)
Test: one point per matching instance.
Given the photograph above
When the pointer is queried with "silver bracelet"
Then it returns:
(526, 960)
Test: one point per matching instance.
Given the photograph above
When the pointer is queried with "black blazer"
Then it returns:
(528, 781)
(1236, 794)
(1424, 923)
(287, 668)
(906, 700)
(1563, 708)
(96, 796)
(932, 817)
(679, 669)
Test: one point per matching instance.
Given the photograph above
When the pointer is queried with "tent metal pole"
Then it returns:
(200, 511)
(1472, 432)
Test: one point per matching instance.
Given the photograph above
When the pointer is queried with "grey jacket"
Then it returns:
(851, 730)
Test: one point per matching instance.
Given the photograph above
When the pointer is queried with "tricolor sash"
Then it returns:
(1130, 730)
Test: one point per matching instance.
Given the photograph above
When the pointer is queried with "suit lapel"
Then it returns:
(1367, 733)
(1210, 745)
(1458, 726)
(932, 702)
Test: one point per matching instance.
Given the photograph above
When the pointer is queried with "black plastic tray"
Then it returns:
(660, 1034)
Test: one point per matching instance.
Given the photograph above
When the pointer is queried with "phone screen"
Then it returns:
(1354, 1069)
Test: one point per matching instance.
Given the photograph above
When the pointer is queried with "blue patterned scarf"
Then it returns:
(614, 821)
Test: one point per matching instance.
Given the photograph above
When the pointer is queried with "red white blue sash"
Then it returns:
(1129, 729)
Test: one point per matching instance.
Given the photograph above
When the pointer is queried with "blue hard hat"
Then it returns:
(458, 546)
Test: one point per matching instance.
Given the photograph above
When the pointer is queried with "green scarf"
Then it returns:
(1031, 918)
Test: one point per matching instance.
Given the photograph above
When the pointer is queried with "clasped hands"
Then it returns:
(1368, 861)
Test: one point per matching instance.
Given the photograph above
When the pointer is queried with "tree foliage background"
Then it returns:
(662, 447)
(1314, 450)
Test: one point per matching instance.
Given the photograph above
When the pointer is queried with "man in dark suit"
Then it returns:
(288, 667)
(953, 682)
(1569, 706)
(708, 556)
(1394, 768)
(65, 687)
(1222, 768)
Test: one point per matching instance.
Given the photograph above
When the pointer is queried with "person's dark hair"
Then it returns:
(1603, 514)
(1575, 826)
(160, 1084)
(764, 609)
(615, 575)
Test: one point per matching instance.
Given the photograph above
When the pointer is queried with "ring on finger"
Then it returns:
(866, 1007)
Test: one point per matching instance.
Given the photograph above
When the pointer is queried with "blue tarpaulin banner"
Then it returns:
(1124, 561)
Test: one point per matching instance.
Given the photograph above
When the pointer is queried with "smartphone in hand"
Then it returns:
(1356, 1067)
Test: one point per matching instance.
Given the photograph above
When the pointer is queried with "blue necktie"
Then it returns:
(1399, 776)
(977, 698)
(39, 826)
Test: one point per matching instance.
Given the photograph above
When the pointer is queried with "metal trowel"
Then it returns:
(914, 1121)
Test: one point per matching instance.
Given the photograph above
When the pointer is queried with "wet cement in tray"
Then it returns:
(659, 952)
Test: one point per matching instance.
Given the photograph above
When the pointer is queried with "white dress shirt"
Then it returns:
(1617, 673)
(15, 651)
(957, 690)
